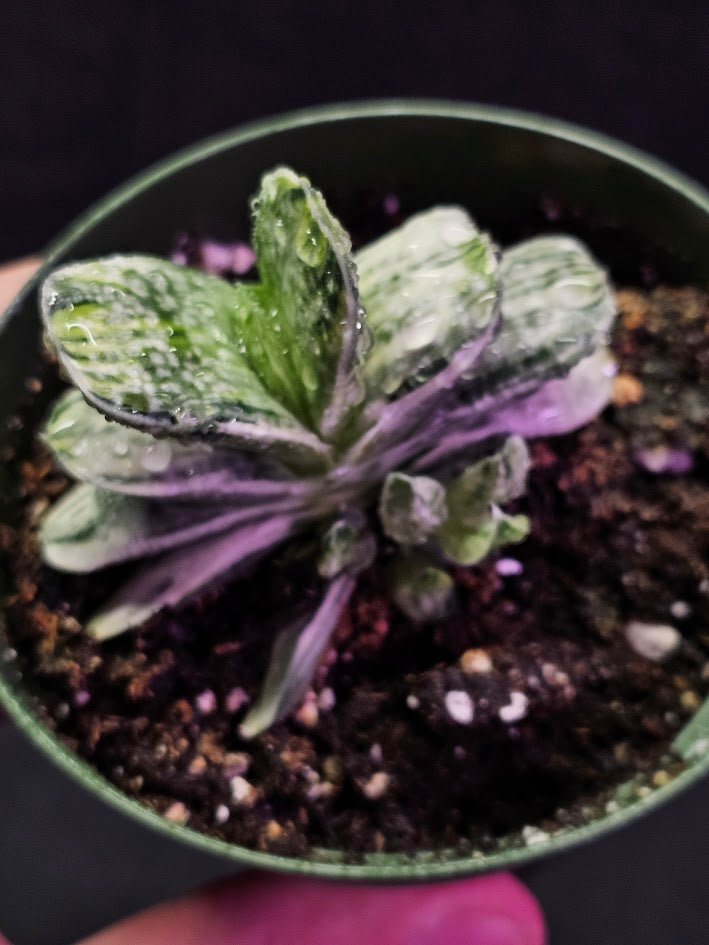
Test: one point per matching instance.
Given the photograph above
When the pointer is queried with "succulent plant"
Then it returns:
(381, 396)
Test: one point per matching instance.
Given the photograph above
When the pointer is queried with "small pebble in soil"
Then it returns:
(689, 700)
(553, 676)
(533, 835)
(612, 807)
(654, 641)
(235, 763)
(412, 701)
(509, 567)
(460, 706)
(206, 702)
(627, 389)
(661, 778)
(62, 711)
(475, 661)
(377, 786)
(236, 699)
(680, 610)
(198, 765)
(516, 709)
(664, 459)
(82, 698)
(320, 790)
(332, 768)
(221, 814)
(375, 754)
(9, 655)
(243, 792)
(307, 714)
(177, 813)
(326, 699)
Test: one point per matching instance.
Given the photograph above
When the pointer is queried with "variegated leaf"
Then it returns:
(121, 459)
(90, 528)
(421, 589)
(428, 287)
(307, 349)
(347, 545)
(294, 659)
(178, 576)
(557, 309)
(411, 508)
(160, 347)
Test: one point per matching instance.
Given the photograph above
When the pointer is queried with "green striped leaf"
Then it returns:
(557, 308)
(411, 508)
(428, 287)
(421, 589)
(296, 653)
(89, 528)
(308, 348)
(121, 459)
(160, 347)
(184, 573)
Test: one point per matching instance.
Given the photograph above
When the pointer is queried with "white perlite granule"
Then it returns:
(221, 814)
(242, 791)
(654, 641)
(460, 706)
(516, 709)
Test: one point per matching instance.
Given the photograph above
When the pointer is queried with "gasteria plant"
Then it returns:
(380, 396)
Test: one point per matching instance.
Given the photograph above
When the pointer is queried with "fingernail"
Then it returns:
(461, 928)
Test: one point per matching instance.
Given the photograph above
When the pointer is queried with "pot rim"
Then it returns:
(390, 867)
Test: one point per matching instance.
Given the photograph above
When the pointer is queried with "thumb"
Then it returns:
(262, 909)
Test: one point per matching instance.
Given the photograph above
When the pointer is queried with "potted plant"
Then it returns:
(322, 464)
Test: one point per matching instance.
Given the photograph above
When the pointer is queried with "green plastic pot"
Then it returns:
(494, 161)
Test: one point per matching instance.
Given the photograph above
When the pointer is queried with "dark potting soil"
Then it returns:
(384, 755)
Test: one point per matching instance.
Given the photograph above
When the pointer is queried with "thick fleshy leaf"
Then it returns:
(557, 309)
(411, 508)
(428, 287)
(467, 536)
(558, 406)
(90, 528)
(420, 589)
(470, 545)
(564, 404)
(347, 545)
(407, 425)
(308, 349)
(296, 654)
(180, 575)
(160, 347)
(511, 529)
(513, 470)
(121, 459)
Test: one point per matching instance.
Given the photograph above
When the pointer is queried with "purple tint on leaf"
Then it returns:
(180, 575)
(294, 658)
(559, 406)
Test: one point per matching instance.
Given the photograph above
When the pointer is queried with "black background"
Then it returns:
(91, 93)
